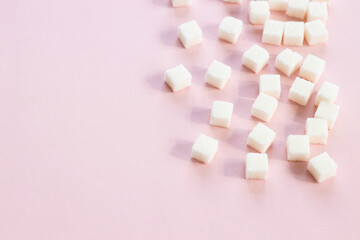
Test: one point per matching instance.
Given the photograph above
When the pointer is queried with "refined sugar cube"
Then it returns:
(298, 147)
(259, 12)
(288, 61)
(178, 78)
(204, 149)
(317, 130)
(327, 93)
(312, 68)
(270, 84)
(326, 1)
(261, 138)
(190, 34)
(294, 33)
(232, 1)
(273, 32)
(315, 32)
(256, 166)
(300, 91)
(297, 8)
(255, 58)
(264, 107)
(230, 29)
(181, 3)
(329, 112)
(278, 5)
(218, 74)
(221, 113)
(322, 167)
(317, 10)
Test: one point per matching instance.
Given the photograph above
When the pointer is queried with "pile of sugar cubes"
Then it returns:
(310, 26)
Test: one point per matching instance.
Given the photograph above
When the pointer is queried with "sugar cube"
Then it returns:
(259, 12)
(322, 167)
(230, 29)
(221, 113)
(317, 130)
(255, 58)
(317, 10)
(218, 74)
(190, 34)
(298, 147)
(273, 32)
(315, 32)
(256, 166)
(329, 112)
(294, 33)
(261, 138)
(297, 8)
(278, 5)
(300, 91)
(264, 107)
(181, 3)
(312, 68)
(270, 84)
(178, 78)
(232, 1)
(288, 61)
(204, 149)
(327, 93)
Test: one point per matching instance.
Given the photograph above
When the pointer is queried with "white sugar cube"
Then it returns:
(218, 74)
(322, 167)
(329, 112)
(178, 78)
(230, 29)
(315, 32)
(204, 148)
(259, 12)
(294, 33)
(190, 34)
(312, 68)
(233, 1)
(261, 138)
(326, 1)
(317, 10)
(255, 58)
(288, 61)
(278, 5)
(264, 107)
(298, 147)
(221, 113)
(181, 3)
(273, 32)
(297, 8)
(327, 93)
(317, 130)
(270, 84)
(301, 91)
(256, 166)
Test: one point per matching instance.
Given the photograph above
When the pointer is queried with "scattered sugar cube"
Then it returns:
(317, 130)
(270, 85)
(278, 5)
(218, 74)
(204, 148)
(294, 33)
(255, 58)
(230, 29)
(233, 1)
(322, 167)
(181, 3)
(221, 113)
(315, 32)
(312, 68)
(317, 10)
(178, 78)
(190, 34)
(298, 147)
(261, 138)
(297, 8)
(328, 111)
(256, 166)
(264, 107)
(327, 1)
(259, 12)
(300, 91)
(327, 93)
(273, 32)
(288, 61)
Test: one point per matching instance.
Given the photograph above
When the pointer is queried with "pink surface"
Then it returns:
(94, 145)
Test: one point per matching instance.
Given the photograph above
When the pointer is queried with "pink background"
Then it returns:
(93, 145)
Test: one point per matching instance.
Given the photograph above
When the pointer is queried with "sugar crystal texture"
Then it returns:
(264, 107)
(298, 147)
(301, 91)
(294, 33)
(317, 130)
(322, 167)
(288, 61)
(256, 166)
(178, 78)
(329, 112)
(230, 29)
(316, 32)
(255, 58)
(273, 32)
(190, 34)
(259, 12)
(261, 138)
(204, 149)
(218, 74)
(328, 92)
(221, 113)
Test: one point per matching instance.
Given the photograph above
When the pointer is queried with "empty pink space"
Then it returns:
(94, 145)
